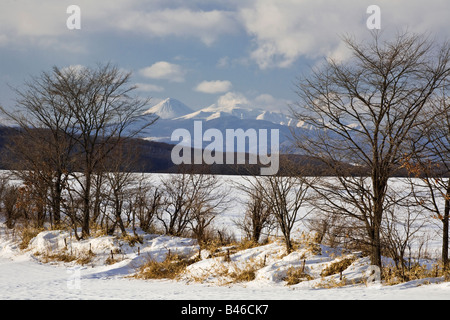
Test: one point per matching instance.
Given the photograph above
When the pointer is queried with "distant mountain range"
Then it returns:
(174, 109)
(169, 109)
(174, 114)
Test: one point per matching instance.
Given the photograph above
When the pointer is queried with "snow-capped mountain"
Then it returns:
(176, 115)
(174, 109)
(169, 108)
(214, 112)
(238, 111)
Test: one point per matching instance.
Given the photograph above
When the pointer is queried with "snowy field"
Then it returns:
(23, 275)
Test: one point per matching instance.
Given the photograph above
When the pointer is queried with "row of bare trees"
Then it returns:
(381, 113)
(184, 204)
(72, 124)
(274, 203)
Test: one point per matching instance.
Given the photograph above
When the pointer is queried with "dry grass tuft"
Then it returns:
(65, 256)
(132, 240)
(171, 268)
(331, 283)
(309, 242)
(296, 275)
(337, 266)
(244, 274)
(394, 275)
(27, 234)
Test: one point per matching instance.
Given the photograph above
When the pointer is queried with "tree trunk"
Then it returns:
(118, 210)
(57, 200)
(375, 257)
(86, 206)
(379, 189)
(445, 222)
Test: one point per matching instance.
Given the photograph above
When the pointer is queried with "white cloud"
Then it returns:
(25, 19)
(74, 69)
(164, 70)
(147, 87)
(280, 32)
(208, 26)
(31, 18)
(263, 101)
(227, 62)
(35, 23)
(217, 86)
(223, 62)
(283, 31)
(268, 102)
(232, 99)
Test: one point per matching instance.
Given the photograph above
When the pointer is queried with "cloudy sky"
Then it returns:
(199, 51)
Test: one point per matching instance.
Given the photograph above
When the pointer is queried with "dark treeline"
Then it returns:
(151, 157)
(155, 157)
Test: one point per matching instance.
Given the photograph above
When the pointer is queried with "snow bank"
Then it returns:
(111, 256)
(271, 266)
(213, 277)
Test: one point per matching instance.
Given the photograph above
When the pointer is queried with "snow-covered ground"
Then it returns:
(25, 279)
(106, 275)
(24, 276)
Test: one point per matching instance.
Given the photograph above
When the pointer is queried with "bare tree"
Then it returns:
(119, 179)
(104, 114)
(84, 113)
(400, 231)
(334, 231)
(10, 197)
(190, 201)
(362, 113)
(146, 205)
(209, 199)
(258, 218)
(286, 196)
(429, 167)
(176, 204)
(42, 146)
